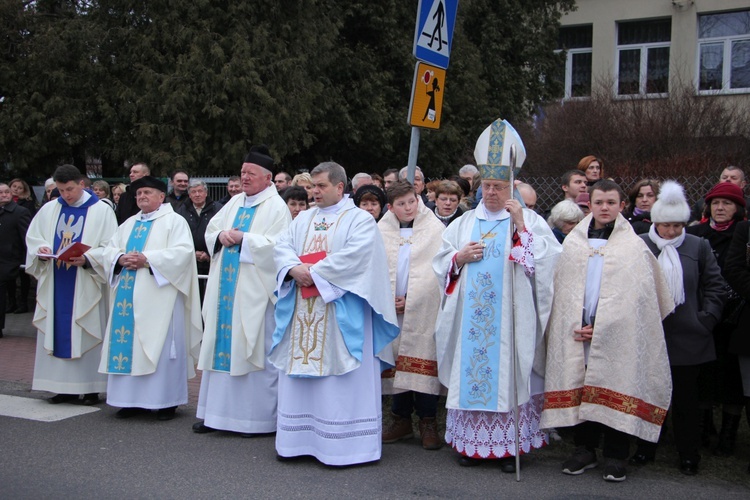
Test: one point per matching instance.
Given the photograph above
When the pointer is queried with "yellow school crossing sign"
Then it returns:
(427, 96)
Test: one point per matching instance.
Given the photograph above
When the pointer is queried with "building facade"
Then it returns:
(649, 48)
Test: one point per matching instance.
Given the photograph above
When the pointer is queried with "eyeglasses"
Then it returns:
(493, 188)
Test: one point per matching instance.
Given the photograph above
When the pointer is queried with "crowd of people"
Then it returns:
(318, 295)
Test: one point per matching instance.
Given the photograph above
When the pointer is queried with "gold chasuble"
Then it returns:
(626, 382)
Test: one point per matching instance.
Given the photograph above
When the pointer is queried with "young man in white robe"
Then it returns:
(335, 321)
(488, 255)
(71, 311)
(412, 236)
(607, 369)
(238, 386)
(154, 330)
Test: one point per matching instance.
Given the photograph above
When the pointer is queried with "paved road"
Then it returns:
(96, 455)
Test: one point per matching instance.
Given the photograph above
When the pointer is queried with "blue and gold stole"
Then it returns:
(69, 229)
(481, 319)
(230, 271)
(120, 359)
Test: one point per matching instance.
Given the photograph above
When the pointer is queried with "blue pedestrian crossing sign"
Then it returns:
(434, 32)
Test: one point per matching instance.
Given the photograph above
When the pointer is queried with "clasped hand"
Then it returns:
(585, 334)
(400, 305)
(231, 237)
(301, 275)
(132, 261)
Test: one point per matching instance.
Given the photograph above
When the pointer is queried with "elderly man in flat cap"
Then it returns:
(238, 385)
(155, 324)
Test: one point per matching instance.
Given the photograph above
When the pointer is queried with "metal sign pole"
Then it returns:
(411, 167)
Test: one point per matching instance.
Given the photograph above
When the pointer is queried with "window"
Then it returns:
(576, 42)
(724, 52)
(643, 57)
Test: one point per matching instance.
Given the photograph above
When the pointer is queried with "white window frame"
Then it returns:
(726, 72)
(643, 76)
(569, 73)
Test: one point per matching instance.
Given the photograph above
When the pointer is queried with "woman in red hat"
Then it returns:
(725, 206)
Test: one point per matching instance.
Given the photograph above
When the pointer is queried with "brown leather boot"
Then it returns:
(399, 428)
(428, 431)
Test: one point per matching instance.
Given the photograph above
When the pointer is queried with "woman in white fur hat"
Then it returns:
(697, 287)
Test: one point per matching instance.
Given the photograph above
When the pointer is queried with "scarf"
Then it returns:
(721, 226)
(638, 211)
(670, 264)
(445, 219)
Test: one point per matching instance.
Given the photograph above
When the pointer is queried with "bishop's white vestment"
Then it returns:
(238, 385)
(73, 312)
(327, 347)
(473, 336)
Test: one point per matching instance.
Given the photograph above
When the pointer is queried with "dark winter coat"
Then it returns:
(719, 240)
(641, 223)
(689, 329)
(737, 272)
(14, 221)
(126, 207)
(176, 202)
(198, 225)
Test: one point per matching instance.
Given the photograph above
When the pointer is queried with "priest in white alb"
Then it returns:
(238, 386)
(488, 253)
(154, 330)
(71, 310)
(335, 321)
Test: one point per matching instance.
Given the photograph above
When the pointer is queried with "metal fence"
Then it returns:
(217, 186)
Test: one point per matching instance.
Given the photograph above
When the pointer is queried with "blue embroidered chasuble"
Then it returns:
(69, 230)
(120, 358)
(230, 272)
(481, 319)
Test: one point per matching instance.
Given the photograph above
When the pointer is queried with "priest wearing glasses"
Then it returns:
(495, 266)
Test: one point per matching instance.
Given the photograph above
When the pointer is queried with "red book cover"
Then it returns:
(73, 250)
(311, 258)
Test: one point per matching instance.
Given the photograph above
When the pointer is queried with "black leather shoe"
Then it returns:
(201, 428)
(62, 398)
(128, 412)
(1, 334)
(508, 464)
(255, 434)
(166, 413)
(689, 467)
(91, 399)
(468, 461)
(640, 459)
